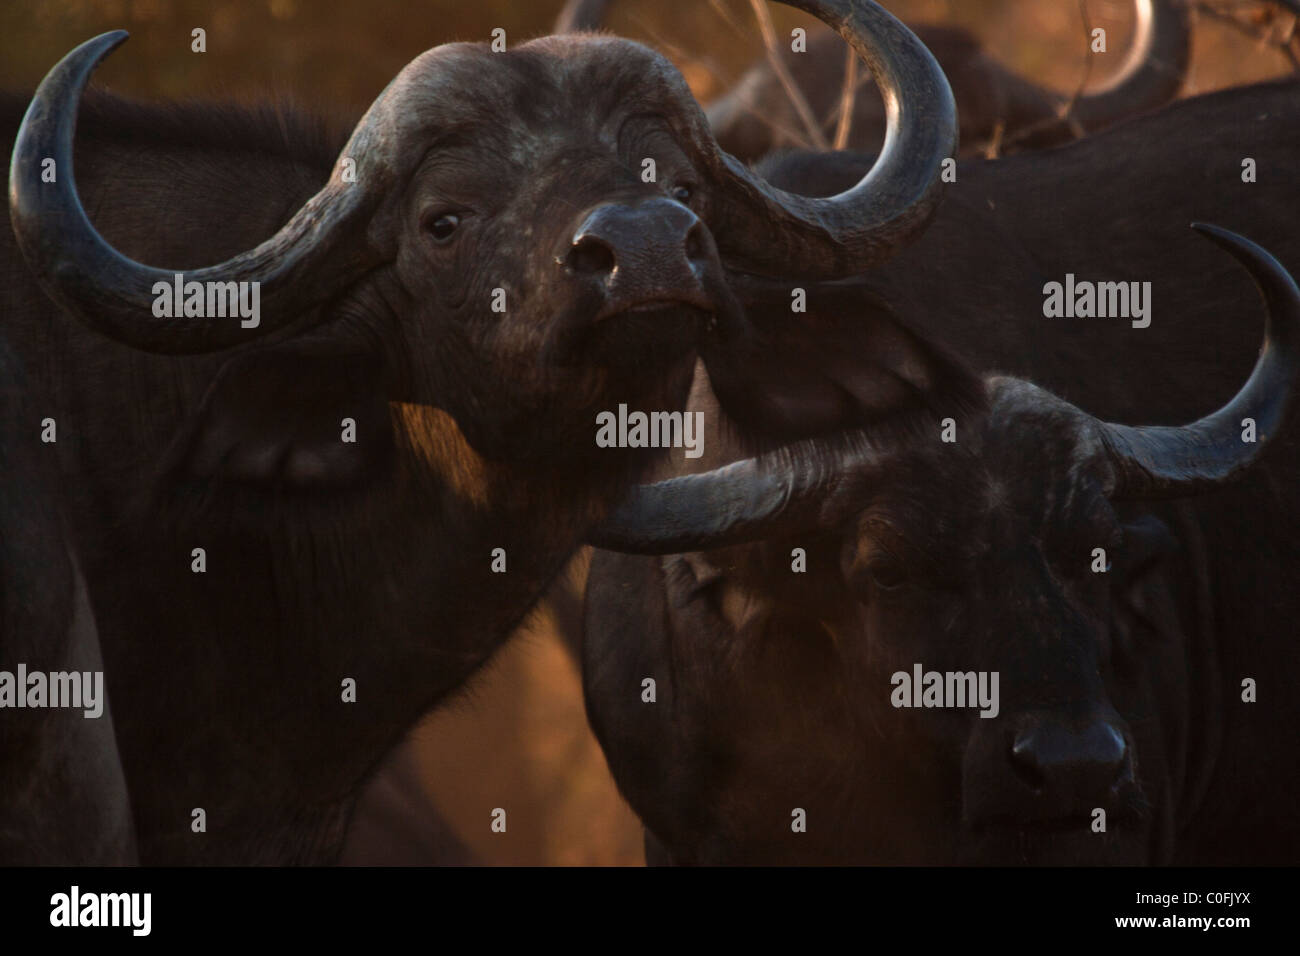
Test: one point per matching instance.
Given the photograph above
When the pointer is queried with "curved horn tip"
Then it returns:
(1258, 261)
(1229, 240)
(100, 46)
(109, 292)
(73, 71)
(114, 37)
(1237, 245)
(839, 236)
(1167, 462)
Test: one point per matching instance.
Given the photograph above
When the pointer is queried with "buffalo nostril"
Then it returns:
(1093, 759)
(591, 256)
(1108, 753)
(695, 242)
(1026, 764)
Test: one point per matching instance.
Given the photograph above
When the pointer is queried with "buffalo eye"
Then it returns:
(683, 193)
(871, 567)
(442, 226)
(887, 572)
(1146, 542)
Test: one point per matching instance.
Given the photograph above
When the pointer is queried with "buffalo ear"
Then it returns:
(276, 418)
(844, 362)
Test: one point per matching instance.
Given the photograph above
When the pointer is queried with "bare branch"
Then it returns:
(848, 99)
(1263, 25)
(993, 148)
(724, 82)
(722, 11)
(792, 90)
(1067, 112)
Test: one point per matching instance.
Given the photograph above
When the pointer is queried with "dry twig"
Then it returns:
(1067, 112)
(1261, 23)
(723, 82)
(848, 99)
(783, 74)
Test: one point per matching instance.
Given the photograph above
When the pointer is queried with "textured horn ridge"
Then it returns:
(792, 488)
(113, 294)
(769, 231)
(1168, 462)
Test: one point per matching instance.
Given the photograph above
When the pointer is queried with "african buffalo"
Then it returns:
(1090, 634)
(63, 797)
(305, 524)
(756, 116)
(1112, 206)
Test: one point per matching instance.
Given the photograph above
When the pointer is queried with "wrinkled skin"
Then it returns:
(516, 177)
(328, 561)
(773, 688)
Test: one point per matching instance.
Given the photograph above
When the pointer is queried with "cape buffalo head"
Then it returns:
(1029, 546)
(524, 237)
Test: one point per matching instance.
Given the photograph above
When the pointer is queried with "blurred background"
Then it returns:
(342, 52)
(517, 738)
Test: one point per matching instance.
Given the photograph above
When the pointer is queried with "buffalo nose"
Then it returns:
(1084, 762)
(658, 242)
